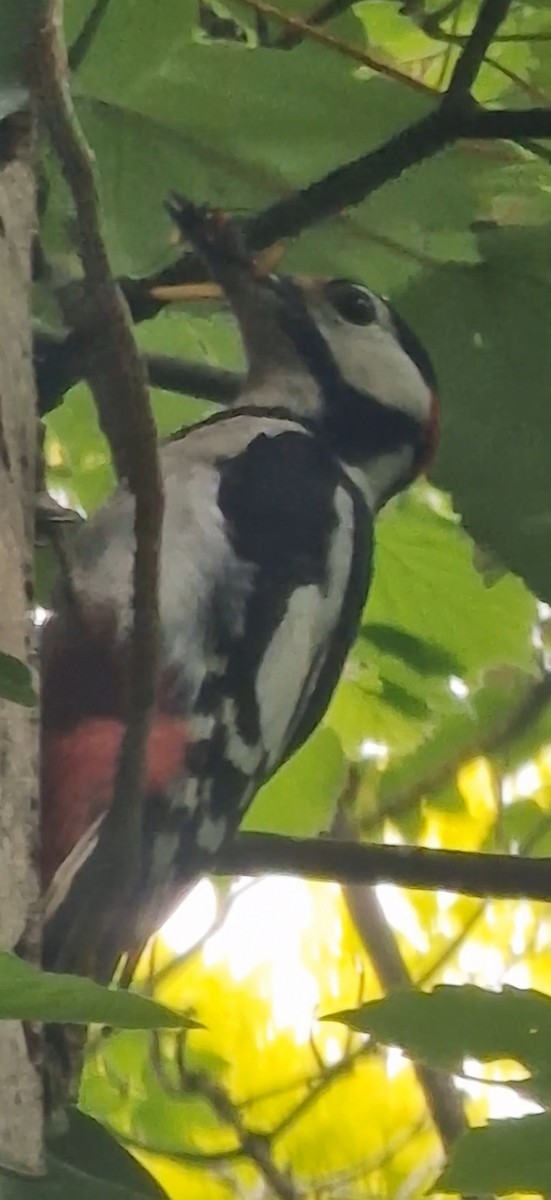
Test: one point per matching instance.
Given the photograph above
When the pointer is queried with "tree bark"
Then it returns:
(20, 1092)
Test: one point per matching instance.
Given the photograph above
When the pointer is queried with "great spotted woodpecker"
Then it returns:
(265, 567)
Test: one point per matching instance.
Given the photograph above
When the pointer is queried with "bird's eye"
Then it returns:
(352, 302)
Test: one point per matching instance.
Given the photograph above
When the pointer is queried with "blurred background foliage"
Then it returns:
(440, 732)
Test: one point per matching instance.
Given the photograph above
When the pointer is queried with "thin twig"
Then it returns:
(313, 33)
(353, 182)
(471, 874)
(490, 16)
(369, 918)
(332, 1183)
(209, 1159)
(125, 416)
(324, 1081)
(78, 51)
(383, 951)
(434, 970)
(254, 1146)
(537, 95)
(429, 26)
(397, 801)
(60, 360)
(449, 48)
(180, 961)
(326, 11)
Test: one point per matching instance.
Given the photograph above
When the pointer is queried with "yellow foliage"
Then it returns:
(476, 784)
(347, 1111)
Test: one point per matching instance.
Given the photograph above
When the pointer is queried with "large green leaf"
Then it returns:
(243, 145)
(428, 605)
(300, 800)
(460, 735)
(452, 1023)
(487, 327)
(65, 1182)
(426, 585)
(28, 994)
(503, 1157)
(87, 1147)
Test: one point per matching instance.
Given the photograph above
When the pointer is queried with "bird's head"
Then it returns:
(331, 353)
(339, 355)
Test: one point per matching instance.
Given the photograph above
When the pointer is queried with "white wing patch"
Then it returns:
(239, 753)
(286, 665)
(59, 888)
(289, 671)
(211, 833)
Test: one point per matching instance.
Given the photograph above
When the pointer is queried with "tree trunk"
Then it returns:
(20, 1092)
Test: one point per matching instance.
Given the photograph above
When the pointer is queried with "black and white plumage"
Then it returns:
(265, 564)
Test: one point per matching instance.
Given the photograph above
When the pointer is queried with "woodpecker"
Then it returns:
(266, 557)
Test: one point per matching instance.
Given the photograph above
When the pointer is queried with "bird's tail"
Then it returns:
(78, 771)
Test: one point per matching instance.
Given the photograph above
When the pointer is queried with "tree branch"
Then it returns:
(310, 31)
(254, 1146)
(367, 913)
(381, 946)
(86, 36)
(60, 360)
(490, 16)
(344, 187)
(478, 874)
(350, 184)
(123, 406)
(326, 11)
(320, 1085)
(509, 123)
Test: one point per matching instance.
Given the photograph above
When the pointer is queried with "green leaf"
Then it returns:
(504, 1156)
(458, 736)
(496, 413)
(244, 146)
(452, 1023)
(173, 1123)
(16, 681)
(423, 654)
(89, 1148)
(425, 579)
(398, 697)
(28, 994)
(65, 1182)
(300, 800)
(521, 820)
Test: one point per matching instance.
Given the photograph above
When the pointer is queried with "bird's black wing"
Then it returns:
(292, 514)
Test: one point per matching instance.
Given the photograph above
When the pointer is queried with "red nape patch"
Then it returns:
(77, 774)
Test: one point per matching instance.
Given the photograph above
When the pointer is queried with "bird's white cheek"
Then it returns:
(371, 360)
